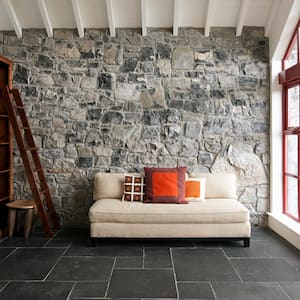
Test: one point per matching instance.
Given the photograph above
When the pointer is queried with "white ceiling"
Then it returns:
(82, 14)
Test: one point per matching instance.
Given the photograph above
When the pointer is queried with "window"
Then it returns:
(290, 80)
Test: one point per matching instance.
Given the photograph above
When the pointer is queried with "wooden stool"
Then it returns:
(31, 210)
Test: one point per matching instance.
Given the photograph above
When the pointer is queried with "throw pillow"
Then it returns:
(195, 189)
(165, 185)
(134, 188)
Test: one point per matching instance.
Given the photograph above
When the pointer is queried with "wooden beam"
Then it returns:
(209, 17)
(271, 16)
(110, 16)
(13, 17)
(78, 18)
(242, 16)
(45, 17)
(144, 17)
(176, 17)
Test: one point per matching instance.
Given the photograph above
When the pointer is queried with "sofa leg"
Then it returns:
(247, 242)
(93, 242)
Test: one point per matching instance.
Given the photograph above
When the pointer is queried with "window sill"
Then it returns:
(286, 227)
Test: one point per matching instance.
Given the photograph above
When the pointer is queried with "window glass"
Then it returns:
(292, 154)
(292, 203)
(293, 57)
(293, 106)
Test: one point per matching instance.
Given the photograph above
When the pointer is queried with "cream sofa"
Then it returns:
(219, 216)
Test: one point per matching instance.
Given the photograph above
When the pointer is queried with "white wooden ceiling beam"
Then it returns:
(45, 17)
(13, 17)
(271, 16)
(176, 17)
(78, 18)
(110, 16)
(242, 16)
(144, 17)
(209, 16)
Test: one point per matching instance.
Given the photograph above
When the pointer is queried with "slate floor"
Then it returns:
(66, 267)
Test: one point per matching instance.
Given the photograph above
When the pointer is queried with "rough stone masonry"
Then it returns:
(119, 104)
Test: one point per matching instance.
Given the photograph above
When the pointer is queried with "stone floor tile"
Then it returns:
(22, 242)
(82, 269)
(129, 262)
(142, 283)
(292, 289)
(157, 258)
(195, 290)
(89, 290)
(29, 263)
(5, 251)
(36, 290)
(248, 291)
(202, 265)
(265, 270)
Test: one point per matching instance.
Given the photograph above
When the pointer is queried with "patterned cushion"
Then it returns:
(165, 185)
(195, 189)
(134, 188)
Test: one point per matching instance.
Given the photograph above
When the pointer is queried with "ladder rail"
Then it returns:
(36, 159)
(37, 195)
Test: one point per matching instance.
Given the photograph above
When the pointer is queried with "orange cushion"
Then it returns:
(165, 185)
(195, 189)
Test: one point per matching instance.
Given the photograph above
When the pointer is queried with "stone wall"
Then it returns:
(119, 104)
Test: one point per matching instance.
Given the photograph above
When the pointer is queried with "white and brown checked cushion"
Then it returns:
(134, 188)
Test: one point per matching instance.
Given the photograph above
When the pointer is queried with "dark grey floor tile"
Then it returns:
(69, 233)
(36, 291)
(157, 258)
(265, 270)
(207, 243)
(56, 243)
(2, 284)
(292, 289)
(105, 250)
(29, 263)
(89, 290)
(249, 291)
(22, 242)
(169, 243)
(5, 251)
(129, 262)
(195, 290)
(259, 249)
(141, 283)
(202, 265)
(263, 233)
(82, 268)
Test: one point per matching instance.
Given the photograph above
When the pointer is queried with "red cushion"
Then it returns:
(165, 185)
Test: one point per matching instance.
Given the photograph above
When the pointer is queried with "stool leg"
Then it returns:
(34, 218)
(28, 222)
(11, 221)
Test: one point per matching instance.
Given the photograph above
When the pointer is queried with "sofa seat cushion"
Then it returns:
(212, 211)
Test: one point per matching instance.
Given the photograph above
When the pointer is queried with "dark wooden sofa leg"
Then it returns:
(246, 242)
(93, 242)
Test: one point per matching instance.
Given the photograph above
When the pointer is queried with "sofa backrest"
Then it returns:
(111, 185)
(218, 185)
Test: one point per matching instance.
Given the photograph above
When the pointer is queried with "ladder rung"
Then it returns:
(4, 171)
(3, 116)
(38, 170)
(32, 149)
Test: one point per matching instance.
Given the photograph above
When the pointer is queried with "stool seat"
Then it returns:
(22, 204)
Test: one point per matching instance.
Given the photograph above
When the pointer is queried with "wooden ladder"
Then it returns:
(29, 153)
